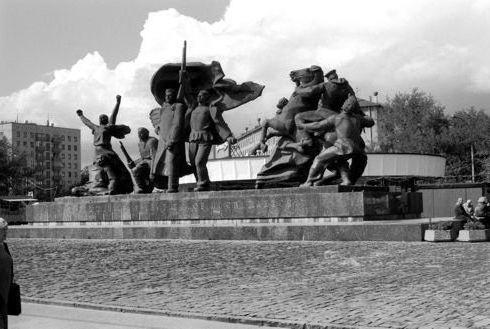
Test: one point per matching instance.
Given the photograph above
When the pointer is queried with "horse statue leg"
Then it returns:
(262, 146)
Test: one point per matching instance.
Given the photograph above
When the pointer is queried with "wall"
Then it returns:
(439, 201)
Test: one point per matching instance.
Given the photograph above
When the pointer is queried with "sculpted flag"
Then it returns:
(205, 76)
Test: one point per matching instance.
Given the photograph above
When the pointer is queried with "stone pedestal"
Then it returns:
(326, 213)
(283, 205)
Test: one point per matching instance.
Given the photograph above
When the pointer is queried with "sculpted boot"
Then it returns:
(173, 184)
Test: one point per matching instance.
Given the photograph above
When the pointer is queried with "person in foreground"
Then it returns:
(5, 274)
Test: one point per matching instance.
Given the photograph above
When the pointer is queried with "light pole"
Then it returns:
(472, 150)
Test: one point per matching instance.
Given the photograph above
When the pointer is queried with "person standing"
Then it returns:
(6, 274)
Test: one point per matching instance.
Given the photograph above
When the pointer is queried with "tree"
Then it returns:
(415, 123)
(468, 130)
(14, 172)
(411, 123)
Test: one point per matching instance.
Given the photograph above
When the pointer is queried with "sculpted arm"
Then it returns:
(153, 145)
(115, 111)
(367, 122)
(323, 125)
(86, 121)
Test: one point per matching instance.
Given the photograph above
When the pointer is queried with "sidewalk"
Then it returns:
(41, 316)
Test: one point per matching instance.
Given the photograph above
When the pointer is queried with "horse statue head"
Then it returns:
(308, 76)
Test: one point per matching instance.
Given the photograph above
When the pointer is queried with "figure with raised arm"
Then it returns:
(108, 162)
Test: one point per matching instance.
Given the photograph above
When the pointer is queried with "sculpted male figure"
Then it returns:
(346, 128)
(169, 163)
(207, 128)
(333, 93)
(105, 157)
(147, 147)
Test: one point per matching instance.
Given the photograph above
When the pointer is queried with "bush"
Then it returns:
(441, 226)
(474, 225)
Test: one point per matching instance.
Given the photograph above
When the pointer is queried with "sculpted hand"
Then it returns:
(231, 140)
(79, 112)
(118, 98)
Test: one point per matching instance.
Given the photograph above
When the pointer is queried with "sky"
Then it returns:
(58, 56)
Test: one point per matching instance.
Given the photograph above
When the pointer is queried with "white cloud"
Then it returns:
(384, 46)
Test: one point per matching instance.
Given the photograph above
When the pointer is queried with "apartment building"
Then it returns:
(53, 152)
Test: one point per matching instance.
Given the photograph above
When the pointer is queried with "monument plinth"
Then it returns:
(287, 205)
(307, 213)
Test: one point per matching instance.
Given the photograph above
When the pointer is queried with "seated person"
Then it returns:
(482, 211)
(468, 208)
(459, 212)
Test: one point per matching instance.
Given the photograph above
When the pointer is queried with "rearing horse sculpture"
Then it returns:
(282, 124)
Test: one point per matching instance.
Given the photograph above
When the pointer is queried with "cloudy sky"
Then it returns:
(58, 56)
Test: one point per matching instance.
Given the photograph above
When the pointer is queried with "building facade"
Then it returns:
(53, 153)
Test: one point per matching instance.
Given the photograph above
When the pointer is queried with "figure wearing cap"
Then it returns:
(207, 128)
(333, 93)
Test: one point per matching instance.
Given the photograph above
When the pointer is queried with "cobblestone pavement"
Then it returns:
(365, 284)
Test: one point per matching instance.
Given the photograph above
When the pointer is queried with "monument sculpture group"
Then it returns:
(319, 128)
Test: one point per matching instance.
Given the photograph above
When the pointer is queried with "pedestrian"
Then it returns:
(5, 274)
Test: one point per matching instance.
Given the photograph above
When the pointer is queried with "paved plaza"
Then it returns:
(336, 284)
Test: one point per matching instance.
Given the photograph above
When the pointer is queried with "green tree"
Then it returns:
(411, 122)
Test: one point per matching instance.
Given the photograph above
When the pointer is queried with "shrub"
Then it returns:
(474, 225)
(441, 226)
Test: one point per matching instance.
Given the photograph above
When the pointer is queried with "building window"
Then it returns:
(18, 134)
(69, 147)
(69, 174)
(62, 146)
(25, 134)
(69, 138)
(75, 157)
(74, 147)
(24, 143)
(69, 156)
(69, 165)
(18, 143)
(75, 174)
(75, 139)
(62, 155)
(32, 135)
(32, 144)
(75, 167)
